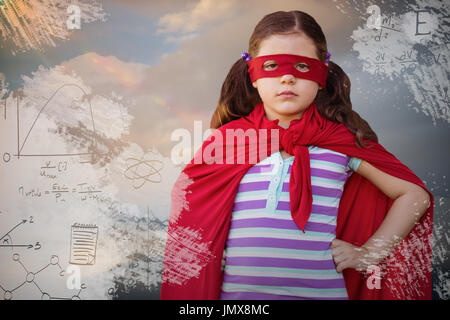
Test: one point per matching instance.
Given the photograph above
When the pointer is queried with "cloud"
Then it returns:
(179, 40)
(154, 8)
(182, 86)
(107, 73)
(154, 116)
(196, 16)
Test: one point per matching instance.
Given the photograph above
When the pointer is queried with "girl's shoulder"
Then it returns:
(331, 156)
(319, 150)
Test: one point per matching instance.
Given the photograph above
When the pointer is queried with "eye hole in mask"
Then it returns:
(272, 65)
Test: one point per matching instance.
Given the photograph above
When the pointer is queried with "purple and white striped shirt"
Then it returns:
(267, 255)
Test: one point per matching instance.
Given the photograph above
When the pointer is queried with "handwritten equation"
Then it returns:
(406, 62)
(387, 26)
(84, 191)
(411, 47)
(418, 24)
(51, 171)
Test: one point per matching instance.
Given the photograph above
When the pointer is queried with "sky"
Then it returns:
(177, 54)
(162, 63)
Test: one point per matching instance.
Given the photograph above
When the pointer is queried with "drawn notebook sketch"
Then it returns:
(83, 244)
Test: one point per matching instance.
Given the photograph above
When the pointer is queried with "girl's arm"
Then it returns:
(410, 203)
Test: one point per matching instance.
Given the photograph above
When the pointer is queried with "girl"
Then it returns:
(327, 214)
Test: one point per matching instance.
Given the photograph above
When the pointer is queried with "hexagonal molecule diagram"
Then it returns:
(30, 279)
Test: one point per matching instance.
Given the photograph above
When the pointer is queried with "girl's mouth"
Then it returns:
(287, 94)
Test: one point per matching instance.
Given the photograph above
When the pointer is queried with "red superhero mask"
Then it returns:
(299, 66)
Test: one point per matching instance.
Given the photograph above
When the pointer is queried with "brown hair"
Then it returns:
(238, 97)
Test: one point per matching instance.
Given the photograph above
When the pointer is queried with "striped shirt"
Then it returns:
(267, 255)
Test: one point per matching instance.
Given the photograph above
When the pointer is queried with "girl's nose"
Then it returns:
(287, 78)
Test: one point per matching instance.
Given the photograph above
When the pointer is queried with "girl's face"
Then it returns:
(284, 107)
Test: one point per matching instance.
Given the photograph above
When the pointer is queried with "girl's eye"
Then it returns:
(269, 66)
(303, 67)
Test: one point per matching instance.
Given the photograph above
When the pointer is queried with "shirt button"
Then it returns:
(275, 179)
(271, 198)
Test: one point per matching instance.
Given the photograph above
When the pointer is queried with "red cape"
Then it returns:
(203, 198)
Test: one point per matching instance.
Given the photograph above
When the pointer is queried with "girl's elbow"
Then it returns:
(421, 199)
(423, 195)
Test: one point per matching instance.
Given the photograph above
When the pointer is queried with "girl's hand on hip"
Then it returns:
(347, 255)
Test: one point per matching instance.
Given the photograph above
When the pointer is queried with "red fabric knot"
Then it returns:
(287, 140)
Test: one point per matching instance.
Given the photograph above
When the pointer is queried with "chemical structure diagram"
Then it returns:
(6, 241)
(30, 278)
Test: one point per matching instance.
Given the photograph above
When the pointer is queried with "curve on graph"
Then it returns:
(48, 101)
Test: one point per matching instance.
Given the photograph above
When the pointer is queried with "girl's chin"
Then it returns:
(288, 108)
